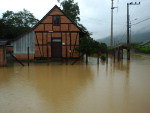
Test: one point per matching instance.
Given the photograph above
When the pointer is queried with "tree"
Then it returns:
(13, 24)
(87, 45)
(22, 18)
(71, 9)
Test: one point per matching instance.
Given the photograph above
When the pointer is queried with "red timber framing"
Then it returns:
(59, 40)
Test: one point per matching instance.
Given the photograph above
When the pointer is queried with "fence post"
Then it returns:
(107, 57)
(28, 56)
(86, 58)
(98, 58)
(118, 54)
(114, 51)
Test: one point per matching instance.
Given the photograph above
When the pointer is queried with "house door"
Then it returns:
(56, 49)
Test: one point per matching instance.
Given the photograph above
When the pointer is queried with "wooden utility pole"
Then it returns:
(128, 28)
(128, 36)
(112, 11)
(28, 56)
(112, 19)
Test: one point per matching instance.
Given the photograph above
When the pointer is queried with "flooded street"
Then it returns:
(123, 87)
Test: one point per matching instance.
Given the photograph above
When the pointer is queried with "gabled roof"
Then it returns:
(44, 18)
(50, 12)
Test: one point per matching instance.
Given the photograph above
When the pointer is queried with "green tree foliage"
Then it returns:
(141, 48)
(71, 9)
(87, 46)
(13, 24)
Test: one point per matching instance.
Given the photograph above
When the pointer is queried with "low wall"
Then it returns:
(24, 56)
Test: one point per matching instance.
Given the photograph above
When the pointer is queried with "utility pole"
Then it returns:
(112, 12)
(128, 28)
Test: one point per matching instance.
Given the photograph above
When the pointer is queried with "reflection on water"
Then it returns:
(121, 87)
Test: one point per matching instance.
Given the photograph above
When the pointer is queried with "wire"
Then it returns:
(141, 21)
(145, 17)
(122, 38)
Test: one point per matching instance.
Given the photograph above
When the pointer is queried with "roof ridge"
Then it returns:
(44, 18)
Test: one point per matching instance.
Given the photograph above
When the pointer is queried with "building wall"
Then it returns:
(39, 40)
(67, 31)
(21, 45)
(2, 55)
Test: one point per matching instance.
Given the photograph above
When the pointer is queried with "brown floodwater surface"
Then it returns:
(121, 87)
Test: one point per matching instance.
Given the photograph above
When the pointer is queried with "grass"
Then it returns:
(141, 48)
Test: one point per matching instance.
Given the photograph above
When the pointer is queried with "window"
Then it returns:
(56, 40)
(56, 20)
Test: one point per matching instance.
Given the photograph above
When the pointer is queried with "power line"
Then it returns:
(141, 21)
(145, 17)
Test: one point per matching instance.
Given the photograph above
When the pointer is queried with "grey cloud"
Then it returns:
(98, 14)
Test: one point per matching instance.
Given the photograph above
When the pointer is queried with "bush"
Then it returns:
(141, 48)
(103, 58)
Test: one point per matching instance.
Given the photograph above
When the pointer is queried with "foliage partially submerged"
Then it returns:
(87, 45)
(103, 58)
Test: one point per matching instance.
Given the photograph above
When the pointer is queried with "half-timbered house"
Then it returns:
(54, 36)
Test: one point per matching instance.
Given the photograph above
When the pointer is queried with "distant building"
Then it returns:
(54, 36)
(147, 43)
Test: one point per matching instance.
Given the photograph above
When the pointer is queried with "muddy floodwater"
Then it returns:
(123, 87)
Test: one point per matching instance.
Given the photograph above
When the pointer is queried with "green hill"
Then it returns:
(136, 38)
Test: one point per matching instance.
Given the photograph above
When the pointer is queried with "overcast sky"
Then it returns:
(94, 14)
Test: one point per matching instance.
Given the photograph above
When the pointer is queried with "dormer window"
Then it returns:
(56, 20)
